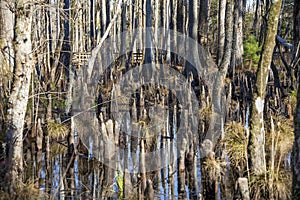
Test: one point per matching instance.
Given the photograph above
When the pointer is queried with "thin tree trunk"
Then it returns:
(257, 133)
(237, 54)
(203, 22)
(296, 149)
(217, 119)
(148, 38)
(257, 18)
(6, 38)
(221, 30)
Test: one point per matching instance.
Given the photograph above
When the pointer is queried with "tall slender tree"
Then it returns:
(296, 149)
(221, 30)
(257, 128)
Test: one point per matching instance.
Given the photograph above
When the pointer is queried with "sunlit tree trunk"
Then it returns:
(6, 61)
(18, 99)
(6, 38)
(257, 132)
(211, 183)
(237, 53)
(103, 17)
(221, 30)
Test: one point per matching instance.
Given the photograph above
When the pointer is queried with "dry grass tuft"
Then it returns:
(57, 131)
(258, 186)
(283, 185)
(285, 132)
(236, 143)
(213, 167)
(24, 191)
(57, 149)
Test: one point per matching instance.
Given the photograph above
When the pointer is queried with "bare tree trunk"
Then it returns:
(296, 23)
(203, 22)
(18, 99)
(6, 38)
(218, 101)
(257, 133)
(297, 32)
(237, 54)
(193, 33)
(103, 17)
(6, 62)
(221, 30)
(179, 20)
(296, 149)
(257, 18)
(148, 39)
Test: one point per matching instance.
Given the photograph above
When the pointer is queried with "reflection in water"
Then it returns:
(86, 178)
(76, 173)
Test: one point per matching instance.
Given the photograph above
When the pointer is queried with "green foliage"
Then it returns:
(59, 104)
(252, 50)
(120, 183)
(294, 93)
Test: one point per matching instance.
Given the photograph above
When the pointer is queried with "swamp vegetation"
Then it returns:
(149, 99)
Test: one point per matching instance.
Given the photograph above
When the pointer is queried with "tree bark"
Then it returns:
(296, 148)
(6, 38)
(237, 53)
(297, 28)
(257, 133)
(18, 99)
(203, 22)
(296, 151)
(221, 30)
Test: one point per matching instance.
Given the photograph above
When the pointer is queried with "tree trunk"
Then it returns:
(217, 118)
(6, 61)
(148, 51)
(237, 53)
(6, 38)
(193, 34)
(297, 28)
(257, 133)
(203, 22)
(18, 99)
(296, 149)
(221, 30)
(257, 19)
